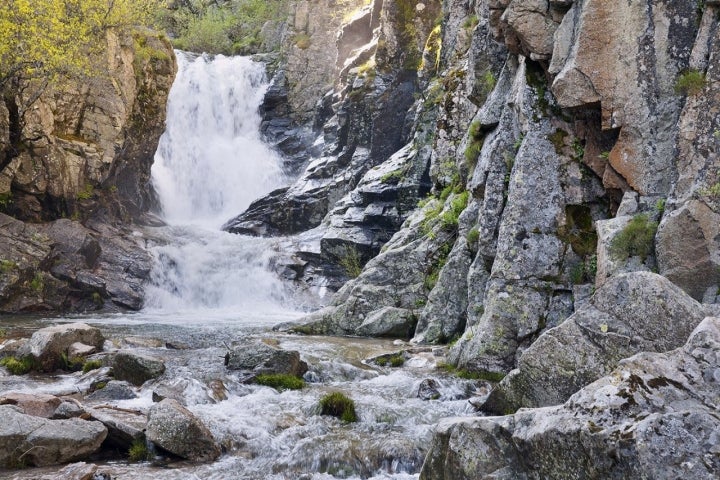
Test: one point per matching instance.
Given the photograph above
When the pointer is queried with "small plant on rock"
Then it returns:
(280, 381)
(139, 451)
(351, 262)
(635, 240)
(91, 365)
(690, 82)
(338, 405)
(18, 366)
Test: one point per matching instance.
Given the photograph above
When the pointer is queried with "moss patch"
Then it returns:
(338, 405)
(635, 240)
(280, 381)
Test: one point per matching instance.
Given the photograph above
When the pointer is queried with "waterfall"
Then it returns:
(210, 164)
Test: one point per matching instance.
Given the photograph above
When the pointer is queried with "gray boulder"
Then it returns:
(136, 368)
(48, 345)
(388, 322)
(124, 426)
(174, 428)
(654, 417)
(630, 313)
(37, 405)
(261, 358)
(187, 391)
(113, 390)
(25, 439)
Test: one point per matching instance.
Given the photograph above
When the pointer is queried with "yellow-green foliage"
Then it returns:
(51, 38)
(351, 262)
(475, 143)
(690, 82)
(7, 265)
(91, 365)
(86, 193)
(280, 381)
(636, 239)
(139, 451)
(338, 405)
(18, 366)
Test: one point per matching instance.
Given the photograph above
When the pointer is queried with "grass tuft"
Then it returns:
(280, 381)
(338, 405)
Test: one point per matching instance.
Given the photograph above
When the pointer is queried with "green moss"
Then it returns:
(578, 149)
(690, 82)
(5, 200)
(7, 265)
(18, 366)
(660, 206)
(476, 139)
(91, 365)
(72, 364)
(394, 360)
(37, 283)
(392, 177)
(86, 193)
(280, 381)
(100, 385)
(338, 405)
(351, 262)
(636, 239)
(473, 236)
(139, 451)
(471, 22)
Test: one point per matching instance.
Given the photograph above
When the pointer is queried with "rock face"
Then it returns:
(653, 417)
(261, 358)
(614, 324)
(82, 150)
(49, 345)
(25, 439)
(173, 428)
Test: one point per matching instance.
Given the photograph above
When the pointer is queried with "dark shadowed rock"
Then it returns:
(124, 426)
(113, 390)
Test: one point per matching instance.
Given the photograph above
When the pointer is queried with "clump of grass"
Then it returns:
(7, 265)
(91, 365)
(351, 262)
(392, 177)
(37, 283)
(635, 240)
(86, 193)
(302, 41)
(338, 405)
(690, 82)
(139, 451)
(18, 366)
(475, 143)
(450, 217)
(280, 381)
(72, 364)
(394, 360)
(473, 236)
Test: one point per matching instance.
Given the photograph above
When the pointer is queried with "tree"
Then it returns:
(42, 41)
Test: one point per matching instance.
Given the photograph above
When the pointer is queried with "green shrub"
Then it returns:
(338, 405)
(280, 381)
(18, 366)
(450, 216)
(635, 240)
(475, 143)
(37, 283)
(397, 361)
(91, 365)
(86, 193)
(690, 82)
(473, 236)
(7, 265)
(392, 177)
(139, 451)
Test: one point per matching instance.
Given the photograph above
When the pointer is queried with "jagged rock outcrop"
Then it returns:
(631, 313)
(655, 416)
(87, 149)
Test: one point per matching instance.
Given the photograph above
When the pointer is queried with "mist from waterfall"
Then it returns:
(210, 165)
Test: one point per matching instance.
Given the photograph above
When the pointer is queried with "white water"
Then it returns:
(211, 163)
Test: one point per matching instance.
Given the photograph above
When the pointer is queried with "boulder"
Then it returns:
(388, 322)
(25, 439)
(76, 471)
(68, 409)
(187, 391)
(261, 358)
(124, 426)
(49, 345)
(655, 416)
(630, 313)
(429, 389)
(37, 405)
(174, 428)
(78, 349)
(136, 368)
(113, 390)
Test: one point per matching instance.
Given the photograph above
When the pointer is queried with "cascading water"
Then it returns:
(211, 163)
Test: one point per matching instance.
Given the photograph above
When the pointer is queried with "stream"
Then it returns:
(210, 289)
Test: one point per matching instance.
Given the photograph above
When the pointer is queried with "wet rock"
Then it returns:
(38, 441)
(75, 471)
(142, 342)
(261, 358)
(429, 389)
(388, 322)
(68, 409)
(113, 390)
(124, 426)
(37, 405)
(49, 345)
(174, 428)
(136, 368)
(653, 417)
(630, 313)
(186, 391)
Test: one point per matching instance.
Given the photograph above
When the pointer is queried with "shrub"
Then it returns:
(91, 365)
(7, 265)
(392, 177)
(351, 262)
(473, 236)
(280, 381)
(86, 193)
(338, 405)
(18, 366)
(139, 451)
(690, 82)
(37, 283)
(636, 239)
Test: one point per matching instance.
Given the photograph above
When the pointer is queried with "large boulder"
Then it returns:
(136, 368)
(28, 440)
(125, 427)
(49, 346)
(37, 405)
(630, 313)
(261, 358)
(174, 428)
(655, 416)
